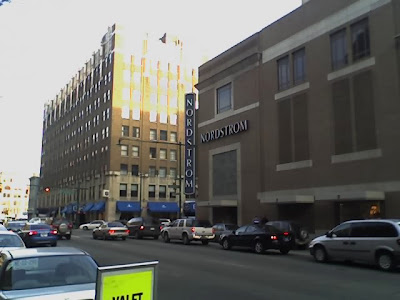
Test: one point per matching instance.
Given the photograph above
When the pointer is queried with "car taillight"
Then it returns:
(141, 227)
(286, 233)
(69, 225)
(193, 229)
(34, 232)
(161, 227)
(274, 237)
(111, 231)
(53, 232)
(127, 231)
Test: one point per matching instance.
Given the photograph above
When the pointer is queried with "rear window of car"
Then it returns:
(202, 223)
(58, 222)
(271, 229)
(49, 271)
(9, 240)
(115, 224)
(40, 226)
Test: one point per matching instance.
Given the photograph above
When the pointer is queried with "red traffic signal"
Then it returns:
(47, 190)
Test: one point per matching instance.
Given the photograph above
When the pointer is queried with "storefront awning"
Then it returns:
(87, 207)
(98, 206)
(169, 207)
(71, 208)
(64, 210)
(128, 206)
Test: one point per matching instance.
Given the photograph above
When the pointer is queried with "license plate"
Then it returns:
(43, 234)
(152, 228)
(286, 239)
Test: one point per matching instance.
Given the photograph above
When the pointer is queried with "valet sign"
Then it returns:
(190, 100)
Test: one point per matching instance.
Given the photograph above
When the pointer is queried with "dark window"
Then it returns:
(153, 153)
(162, 192)
(342, 230)
(299, 66)
(152, 171)
(123, 189)
(163, 135)
(283, 73)
(152, 191)
(202, 223)
(225, 173)
(241, 229)
(252, 229)
(125, 130)
(124, 169)
(360, 40)
(360, 230)
(135, 170)
(136, 132)
(224, 98)
(382, 229)
(180, 223)
(285, 131)
(339, 49)
(134, 190)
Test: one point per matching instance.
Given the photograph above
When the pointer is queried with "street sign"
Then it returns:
(133, 282)
(173, 186)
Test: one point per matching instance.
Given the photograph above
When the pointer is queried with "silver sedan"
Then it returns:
(111, 230)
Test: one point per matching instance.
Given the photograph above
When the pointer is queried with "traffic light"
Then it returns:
(47, 189)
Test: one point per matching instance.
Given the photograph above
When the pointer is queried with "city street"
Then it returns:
(208, 272)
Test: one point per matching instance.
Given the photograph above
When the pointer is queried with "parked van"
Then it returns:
(368, 241)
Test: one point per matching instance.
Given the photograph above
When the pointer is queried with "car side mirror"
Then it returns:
(329, 234)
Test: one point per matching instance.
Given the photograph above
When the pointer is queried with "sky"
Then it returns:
(43, 43)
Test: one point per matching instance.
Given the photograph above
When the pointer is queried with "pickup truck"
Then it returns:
(188, 230)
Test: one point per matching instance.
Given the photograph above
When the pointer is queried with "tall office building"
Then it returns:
(112, 137)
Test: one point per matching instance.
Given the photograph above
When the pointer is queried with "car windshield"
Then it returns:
(49, 271)
(9, 240)
(115, 224)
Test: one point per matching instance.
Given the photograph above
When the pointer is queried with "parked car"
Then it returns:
(38, 234)
(10, 240)
(188, 230)
(111, 230)
(56, 273)
(258, 238)
(63, 227)
(366, 241)
(222, 228)
(15, 226)
(92, 225)
(300, 233)
(142, 227)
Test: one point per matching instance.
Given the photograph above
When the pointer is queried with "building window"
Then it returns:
(163, 118)
(163, 153)
(224, 173)
(134, 190)
(283, 73)
(162, 172)
(172, 155)
(153, 116)
(123, 189)
(172, 173)
(224, 98)
(163, 135)
(338, 49)
(136, 113)
(299, 66)
(125, 130)
(152, 191)
(125, 112)
(163, 99)
(153, 134)
(124, 150)
(173, 119)
(135, 170)
(162, 192)
(136, 132)
(152, 171)
(360, 39)
(124, 169)
(153, 153)
(153, 99)
(173, 137)
(135, 151)
(173, 101)
(293, 129)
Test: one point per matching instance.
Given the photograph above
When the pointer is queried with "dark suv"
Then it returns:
(140, 227)
(301, 234)
(63, 227)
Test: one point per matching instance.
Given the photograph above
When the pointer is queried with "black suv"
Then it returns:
(140, 227)
(301, 234)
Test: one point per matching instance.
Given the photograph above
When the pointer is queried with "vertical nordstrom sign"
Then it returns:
(190, 187)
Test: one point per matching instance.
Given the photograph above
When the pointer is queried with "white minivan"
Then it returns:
(370, 241)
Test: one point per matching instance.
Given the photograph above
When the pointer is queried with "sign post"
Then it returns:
(127, 282)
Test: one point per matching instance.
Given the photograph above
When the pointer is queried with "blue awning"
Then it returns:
(88, 207)
(163, 207)
(64, 210)
(71, 208)
(98, 206)
(128, 206)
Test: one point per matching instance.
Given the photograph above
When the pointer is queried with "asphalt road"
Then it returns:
(208, 272)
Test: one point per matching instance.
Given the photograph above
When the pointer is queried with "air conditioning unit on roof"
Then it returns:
(106, 193)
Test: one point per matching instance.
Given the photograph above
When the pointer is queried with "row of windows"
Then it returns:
(153, 134)
(163, 116)
(153, 152)
(162, 171)
(162, 191)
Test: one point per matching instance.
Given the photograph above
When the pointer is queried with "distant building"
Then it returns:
(14, 196)
(111, 136)
(301, 120)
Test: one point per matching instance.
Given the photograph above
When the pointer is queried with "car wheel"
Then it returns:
(94, 236)
(166, 237)
(259, 247)
(85, 228)
(68, 237)
(284, 250)
(185, 239)
(123, 238)
(204, 242)
(225, 244)
(320, 254)
(385, 261)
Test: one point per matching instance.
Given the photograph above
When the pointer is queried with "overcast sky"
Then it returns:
(43, 43)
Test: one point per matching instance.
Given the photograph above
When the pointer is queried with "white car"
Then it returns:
(10, 240)
(3, 228)
(37, 220)
(92, 225)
